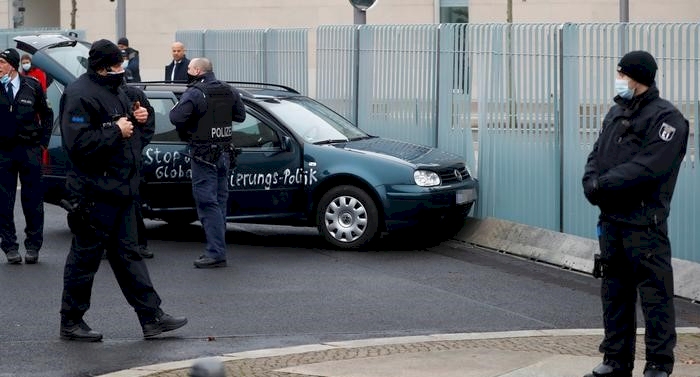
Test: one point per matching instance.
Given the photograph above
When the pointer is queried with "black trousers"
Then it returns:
(637, 261)
(114, 230)
(140, 226)
(24, 162)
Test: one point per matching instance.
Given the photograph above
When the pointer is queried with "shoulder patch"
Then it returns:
(666, 132)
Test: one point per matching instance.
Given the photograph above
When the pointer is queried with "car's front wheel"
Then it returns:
(347, 217)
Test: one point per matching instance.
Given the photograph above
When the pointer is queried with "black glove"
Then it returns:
(591, 190)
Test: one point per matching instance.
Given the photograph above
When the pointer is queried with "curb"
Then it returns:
(160, 369)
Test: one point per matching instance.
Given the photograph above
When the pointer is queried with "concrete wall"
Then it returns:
(560, 249)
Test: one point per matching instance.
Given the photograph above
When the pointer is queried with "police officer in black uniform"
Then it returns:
(630, 175)
(25, 129)
(203, 118)
(105, 125)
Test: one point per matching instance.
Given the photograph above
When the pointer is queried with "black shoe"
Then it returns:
(80, 332)
(206, 262)
(145, 253)
(165, 322)
(31, 257)
(604, 369)
(13, 257)
(653, 370)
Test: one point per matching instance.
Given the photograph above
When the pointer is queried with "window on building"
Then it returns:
(457, 11)
(454, 11)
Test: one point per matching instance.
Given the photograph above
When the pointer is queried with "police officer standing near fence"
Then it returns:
(630, 175)
(25, 128)
(105, 125)
(203, 118)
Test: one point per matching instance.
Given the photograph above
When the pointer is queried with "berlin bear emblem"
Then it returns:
(666, 132)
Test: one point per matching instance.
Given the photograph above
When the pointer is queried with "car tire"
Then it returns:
(347, 217)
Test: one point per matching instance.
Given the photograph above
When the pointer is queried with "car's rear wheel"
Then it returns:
(347, 217)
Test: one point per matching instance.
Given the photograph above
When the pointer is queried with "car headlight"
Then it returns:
(426, 178)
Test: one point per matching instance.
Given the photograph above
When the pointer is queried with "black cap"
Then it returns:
(640, 66)
(11, 56)
(103, 54)
(123, 41)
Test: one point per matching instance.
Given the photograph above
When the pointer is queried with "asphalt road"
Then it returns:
(284, 288)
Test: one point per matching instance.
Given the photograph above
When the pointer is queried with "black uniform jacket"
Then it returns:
(28, 119)
(105, 166)
(636, 159)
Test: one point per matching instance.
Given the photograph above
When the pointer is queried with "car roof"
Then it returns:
(32, 43)
(251, 90)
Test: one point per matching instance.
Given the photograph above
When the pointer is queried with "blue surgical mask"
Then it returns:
(622, 89)
(5, 79)
(125, 64)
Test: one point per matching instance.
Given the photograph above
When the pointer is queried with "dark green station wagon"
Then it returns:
(300, 163)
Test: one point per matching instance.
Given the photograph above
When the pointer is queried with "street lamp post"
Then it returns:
(121, 18)
(361, 7)
(624, 11)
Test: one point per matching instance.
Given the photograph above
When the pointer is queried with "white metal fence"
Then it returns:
(526, 99)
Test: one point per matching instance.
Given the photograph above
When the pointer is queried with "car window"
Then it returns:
(313, 121)
(73, 58)
(53, 98)
(165, 131)
(253, 133)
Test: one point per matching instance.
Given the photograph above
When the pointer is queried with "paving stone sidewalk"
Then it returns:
(268, 363)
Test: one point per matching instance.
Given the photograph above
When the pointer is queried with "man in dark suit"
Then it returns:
(176, 71)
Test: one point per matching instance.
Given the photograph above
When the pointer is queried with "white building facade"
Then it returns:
(151, 24)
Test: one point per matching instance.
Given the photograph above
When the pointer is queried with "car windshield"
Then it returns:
(313, 121)
(73, 58)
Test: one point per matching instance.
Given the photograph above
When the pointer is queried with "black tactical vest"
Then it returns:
(215, 127)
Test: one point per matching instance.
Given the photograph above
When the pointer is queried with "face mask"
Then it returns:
(5, 79)
(26, 66)
(622, 89)
(112, 80)
(191, 78)
(125, 64)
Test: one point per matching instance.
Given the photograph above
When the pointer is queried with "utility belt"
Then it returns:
(9, 143)
(80, 218)
(32, 139)
(210, 153)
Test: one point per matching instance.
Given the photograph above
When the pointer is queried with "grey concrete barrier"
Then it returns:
(560, 249)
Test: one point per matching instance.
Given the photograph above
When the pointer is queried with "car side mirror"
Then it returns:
(286, 143)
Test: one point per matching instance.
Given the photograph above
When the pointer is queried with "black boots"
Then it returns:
(144, 252)
(607, 369)
(164, 322)
(13, 257)
(31, 257)
(79, 331)
(653, 370)
(206, 262)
